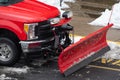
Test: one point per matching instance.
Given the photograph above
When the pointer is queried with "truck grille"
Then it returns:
(43, 30)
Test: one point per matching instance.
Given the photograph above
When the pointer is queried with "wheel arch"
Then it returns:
(12, 36)
(14, 27)
(9, 34)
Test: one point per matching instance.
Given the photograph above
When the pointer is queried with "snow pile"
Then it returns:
(114, 53)
(14, 70)
(104, 18)
(4, 77)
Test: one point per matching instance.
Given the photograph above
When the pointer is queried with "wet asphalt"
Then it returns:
(49, 71)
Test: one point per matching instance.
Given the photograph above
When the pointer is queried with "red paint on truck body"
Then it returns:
(13, 17)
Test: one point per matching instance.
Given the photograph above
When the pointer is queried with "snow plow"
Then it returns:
(83, 52)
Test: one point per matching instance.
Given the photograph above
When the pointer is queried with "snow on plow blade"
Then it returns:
(83, 52)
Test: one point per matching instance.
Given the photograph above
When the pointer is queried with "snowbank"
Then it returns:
(4, 77)
(114, 53)
(13, 70)
(104, 18)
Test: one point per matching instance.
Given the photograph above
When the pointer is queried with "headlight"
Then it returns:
(67, 14)
(30, 30)
(54, 20)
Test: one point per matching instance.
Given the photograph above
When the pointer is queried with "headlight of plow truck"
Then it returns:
(30, 31)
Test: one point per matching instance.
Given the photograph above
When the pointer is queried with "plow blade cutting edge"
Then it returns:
(84, 51)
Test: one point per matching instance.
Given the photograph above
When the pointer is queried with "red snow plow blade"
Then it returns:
(83, 52)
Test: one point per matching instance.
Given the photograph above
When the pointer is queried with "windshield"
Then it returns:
(3, 1)
(8, 2)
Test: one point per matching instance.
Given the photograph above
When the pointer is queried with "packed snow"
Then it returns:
(13, 70)
(4, 77)
(105, 17)
(114, 53)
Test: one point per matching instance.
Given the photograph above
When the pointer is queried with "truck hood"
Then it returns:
(28, 11)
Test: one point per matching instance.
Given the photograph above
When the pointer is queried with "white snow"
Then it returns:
(14, 70)
(4, 77)
(104, 18)
(114, 53)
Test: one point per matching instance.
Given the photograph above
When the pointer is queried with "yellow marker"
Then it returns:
(96, 59)
(101, 67)
(109, 60)
(117, 43)
(103, 60)
(116, 62)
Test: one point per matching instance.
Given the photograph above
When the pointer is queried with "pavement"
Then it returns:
(49, 71)
(99, 69)
(82, 28)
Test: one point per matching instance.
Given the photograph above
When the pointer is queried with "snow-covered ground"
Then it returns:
(105, 17)
(22, 70)
(4, 77)
(13, 71)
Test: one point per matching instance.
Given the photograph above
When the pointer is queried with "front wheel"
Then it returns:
(8, 52)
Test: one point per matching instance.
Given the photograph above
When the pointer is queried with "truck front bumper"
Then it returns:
(33, 46)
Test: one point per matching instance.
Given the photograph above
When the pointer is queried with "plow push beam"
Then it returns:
(84, 51)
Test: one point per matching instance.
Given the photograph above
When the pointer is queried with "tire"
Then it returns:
(8, 52)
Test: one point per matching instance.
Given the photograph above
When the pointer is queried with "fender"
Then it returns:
(15, 27)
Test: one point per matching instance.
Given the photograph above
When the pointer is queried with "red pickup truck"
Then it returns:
(29, 26)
